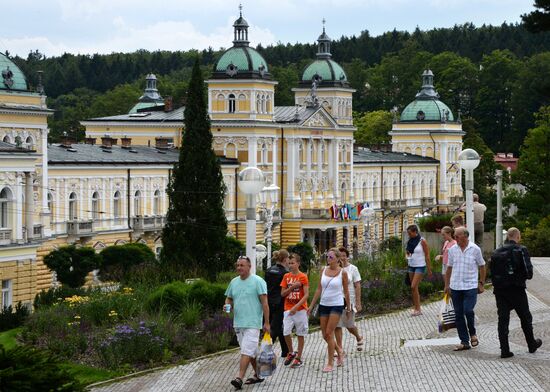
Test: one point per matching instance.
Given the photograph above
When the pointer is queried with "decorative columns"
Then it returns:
(29, 206)
(443, 172)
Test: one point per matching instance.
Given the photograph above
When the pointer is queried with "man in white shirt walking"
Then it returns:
(464, 279)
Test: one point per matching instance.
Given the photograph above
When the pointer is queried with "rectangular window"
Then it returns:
(376, 231)
(386, 229)
(6, 293)
(396, 228)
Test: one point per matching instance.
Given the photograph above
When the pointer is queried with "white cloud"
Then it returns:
(168, 35)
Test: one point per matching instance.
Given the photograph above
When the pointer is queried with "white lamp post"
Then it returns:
(469, 160)
(367, 215)
(251, 182)
(273, 192)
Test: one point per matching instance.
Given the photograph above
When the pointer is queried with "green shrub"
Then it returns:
(434, 223)
(174, 296)
(392, 244)
(27, 369)
(536, 239)
(12, 318)
(168, 298)
(55, 295)
(190, 314)
(72, 264)
(305, 251)
(119, 260)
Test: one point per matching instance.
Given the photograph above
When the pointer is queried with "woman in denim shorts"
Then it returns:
(332, 289)
(418, 258)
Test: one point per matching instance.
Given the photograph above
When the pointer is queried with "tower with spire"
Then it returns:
(324, 82)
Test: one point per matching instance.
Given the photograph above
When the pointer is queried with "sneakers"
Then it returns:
(538, 343)
(289, 358)
(297, 363)
(506, 354)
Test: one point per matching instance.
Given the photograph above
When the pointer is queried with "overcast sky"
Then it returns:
(104, 26)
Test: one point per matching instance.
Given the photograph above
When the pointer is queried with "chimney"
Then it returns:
(161, 143)
(126, 142)
(168, 104)
(89, 140)
(66, 141)
(107, 141)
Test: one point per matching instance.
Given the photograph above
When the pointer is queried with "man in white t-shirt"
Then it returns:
(348, 319)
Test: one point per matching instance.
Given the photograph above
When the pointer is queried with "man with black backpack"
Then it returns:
(510, 268)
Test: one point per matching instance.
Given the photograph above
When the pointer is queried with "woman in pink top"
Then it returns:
(448, 235)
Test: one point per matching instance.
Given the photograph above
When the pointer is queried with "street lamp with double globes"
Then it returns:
(272, 192)
(251, 182)
(469, 160)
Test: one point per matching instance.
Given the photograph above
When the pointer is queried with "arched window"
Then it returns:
(258, 104)
(73, 204)
(117, 206)
(422, 188)
(263, 104)
(404, 189)
(231, 103)
(95, 205)
(407, 150)
(395, 190)
(452, 186)
(5, 204)
(137, 203)
(263, 156)
(375, 191)
(417, 151)
(364, 192)
(29, 143)
(413, 189)
(6, 139)
(432, 192)
(230, 150)
(156, 203)
(242, 103)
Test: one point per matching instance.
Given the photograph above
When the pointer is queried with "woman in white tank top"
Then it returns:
(332, 290)
(418, 259)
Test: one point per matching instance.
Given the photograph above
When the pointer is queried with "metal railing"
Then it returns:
(80, 227)
(314, 213)
(5, 236)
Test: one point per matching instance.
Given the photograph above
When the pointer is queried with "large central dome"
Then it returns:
(241, 61)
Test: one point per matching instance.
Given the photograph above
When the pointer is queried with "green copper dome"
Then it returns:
(427, 110)
(329, 70)
(427, 106)
(11, 77)
(242, 59)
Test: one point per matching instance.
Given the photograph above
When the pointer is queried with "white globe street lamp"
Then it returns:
(251, 182)
(469, 160)
(271, 191)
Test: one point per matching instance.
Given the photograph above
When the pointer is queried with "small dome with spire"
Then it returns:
(241, 61)
(324, 71)
(427, 107)
(151, 97)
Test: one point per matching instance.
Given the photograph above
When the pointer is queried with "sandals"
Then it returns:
(237, 382)
(416, 313)
(254, 380)
(328, 369)
(340, 360)
(360, 344)
(461, 347)
(474, 341)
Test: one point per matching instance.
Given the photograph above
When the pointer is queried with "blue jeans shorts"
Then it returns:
(325, 311)
(417, 270)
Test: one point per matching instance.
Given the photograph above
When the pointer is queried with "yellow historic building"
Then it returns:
(112, 188)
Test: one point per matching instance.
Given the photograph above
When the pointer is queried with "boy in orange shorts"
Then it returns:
(295, 291)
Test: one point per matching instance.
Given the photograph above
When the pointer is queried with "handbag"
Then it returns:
(447, 317)
(267, 360)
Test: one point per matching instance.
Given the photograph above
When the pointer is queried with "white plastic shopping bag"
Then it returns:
(267, 361)
(447, 318)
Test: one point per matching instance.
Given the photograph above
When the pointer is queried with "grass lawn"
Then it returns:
(89, 375)
(7, 338)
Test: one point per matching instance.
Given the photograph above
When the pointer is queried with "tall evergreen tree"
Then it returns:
(194, 234)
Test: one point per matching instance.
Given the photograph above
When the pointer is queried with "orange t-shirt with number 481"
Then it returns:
(298, 293)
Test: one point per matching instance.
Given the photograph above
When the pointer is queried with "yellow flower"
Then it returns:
(112, 313)
(77, 317)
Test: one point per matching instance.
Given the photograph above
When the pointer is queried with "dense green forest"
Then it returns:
(497, 76)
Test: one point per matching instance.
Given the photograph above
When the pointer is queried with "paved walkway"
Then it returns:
(387, 364)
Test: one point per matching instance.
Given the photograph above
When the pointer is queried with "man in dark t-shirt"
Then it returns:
(273, 277)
